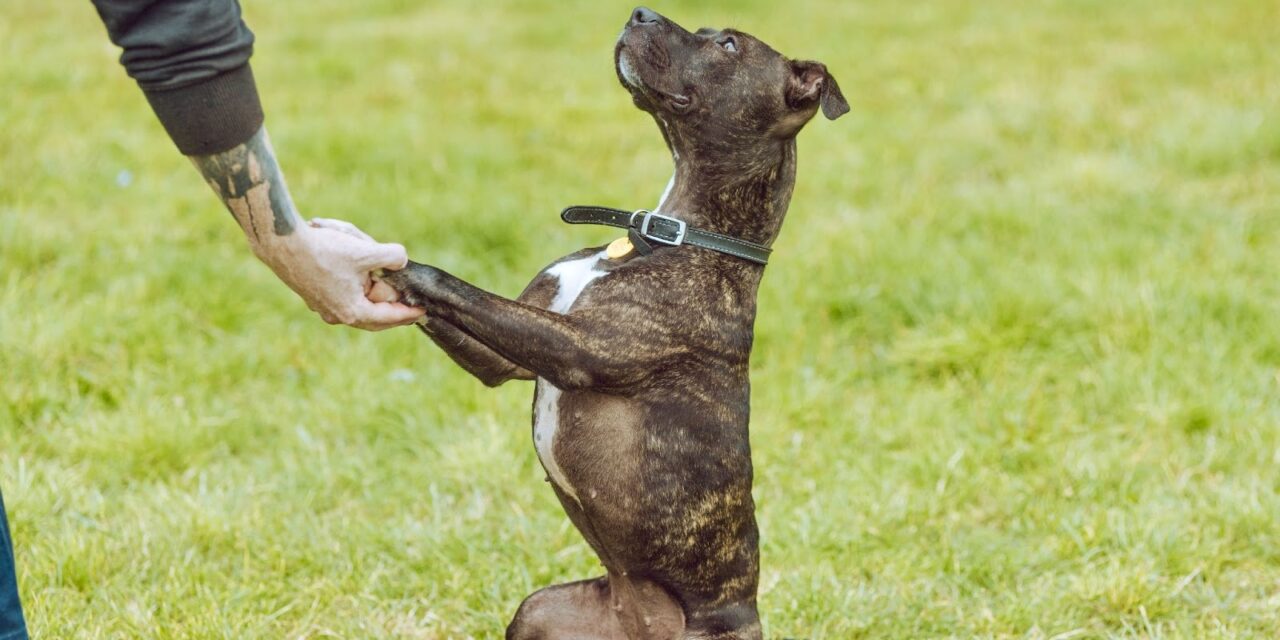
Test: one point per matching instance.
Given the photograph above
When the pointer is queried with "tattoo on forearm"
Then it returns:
(250, 184)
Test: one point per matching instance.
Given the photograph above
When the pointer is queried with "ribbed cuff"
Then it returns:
(210, 117)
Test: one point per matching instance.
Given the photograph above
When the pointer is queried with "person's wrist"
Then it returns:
(277, 251)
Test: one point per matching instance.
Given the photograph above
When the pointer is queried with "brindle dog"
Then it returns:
(641, 407)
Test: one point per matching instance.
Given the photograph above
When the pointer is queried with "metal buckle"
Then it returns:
(664, 226)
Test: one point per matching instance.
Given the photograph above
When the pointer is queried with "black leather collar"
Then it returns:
(646, 229)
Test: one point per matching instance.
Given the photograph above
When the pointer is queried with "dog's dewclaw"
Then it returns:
(618, 248)
(382, 292)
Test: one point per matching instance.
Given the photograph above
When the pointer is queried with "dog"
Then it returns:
(640, 350)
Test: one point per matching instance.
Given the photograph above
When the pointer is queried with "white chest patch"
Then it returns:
(573, 277)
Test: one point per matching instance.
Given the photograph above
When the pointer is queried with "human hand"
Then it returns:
(375, 289)
(329, 263)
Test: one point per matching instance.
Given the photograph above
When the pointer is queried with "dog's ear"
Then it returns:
(809, 82)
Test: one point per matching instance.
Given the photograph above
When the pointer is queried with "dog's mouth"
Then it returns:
(679, 102)
(628, 69)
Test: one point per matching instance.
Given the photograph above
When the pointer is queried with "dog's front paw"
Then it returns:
(409, 285)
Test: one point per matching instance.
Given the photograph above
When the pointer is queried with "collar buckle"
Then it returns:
(659, 228)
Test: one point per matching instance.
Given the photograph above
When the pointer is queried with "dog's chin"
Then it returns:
(641, 94)
(626, 68)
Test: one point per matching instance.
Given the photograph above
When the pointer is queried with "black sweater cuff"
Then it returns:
(212, 116)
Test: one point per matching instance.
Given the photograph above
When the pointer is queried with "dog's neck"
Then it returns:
(740, 190)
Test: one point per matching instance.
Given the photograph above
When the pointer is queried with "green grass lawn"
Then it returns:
(1017, 371)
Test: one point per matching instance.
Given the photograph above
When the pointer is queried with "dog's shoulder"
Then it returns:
(542, 290)
(581, 254)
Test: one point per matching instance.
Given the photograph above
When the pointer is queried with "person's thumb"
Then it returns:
(376, 316)
(384, 255)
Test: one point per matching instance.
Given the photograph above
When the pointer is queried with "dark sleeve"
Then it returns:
(12, 624)
(191, 59)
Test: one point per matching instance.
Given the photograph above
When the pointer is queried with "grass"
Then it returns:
(1018, 361)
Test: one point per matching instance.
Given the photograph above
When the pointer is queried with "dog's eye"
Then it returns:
(728, 44)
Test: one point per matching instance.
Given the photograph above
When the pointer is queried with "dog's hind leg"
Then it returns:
(739, 622)
(615, 608)
(572, 611)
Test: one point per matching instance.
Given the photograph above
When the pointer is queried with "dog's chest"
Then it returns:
(572, 278)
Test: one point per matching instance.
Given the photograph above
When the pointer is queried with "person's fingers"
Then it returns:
(342, 226)
(385, 255)
(381, 292)
(376, 316)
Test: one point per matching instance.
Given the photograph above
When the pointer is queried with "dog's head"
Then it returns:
(721, 82)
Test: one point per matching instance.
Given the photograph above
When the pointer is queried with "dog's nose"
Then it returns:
(643, 16)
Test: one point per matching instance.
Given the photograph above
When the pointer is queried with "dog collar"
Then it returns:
(645, 227)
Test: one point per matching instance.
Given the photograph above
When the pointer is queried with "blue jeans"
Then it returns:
(12, 626)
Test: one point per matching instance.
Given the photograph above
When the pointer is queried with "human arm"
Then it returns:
(191, 60)
(328, 266)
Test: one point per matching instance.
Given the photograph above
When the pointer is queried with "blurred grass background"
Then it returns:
(1017, 363)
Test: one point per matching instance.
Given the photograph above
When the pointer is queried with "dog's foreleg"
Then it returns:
(473, 356)
(468, 353)
(571, 352)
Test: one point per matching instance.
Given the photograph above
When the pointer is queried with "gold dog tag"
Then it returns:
(619, 248)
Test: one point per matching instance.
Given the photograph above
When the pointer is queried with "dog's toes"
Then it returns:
(410, 282)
